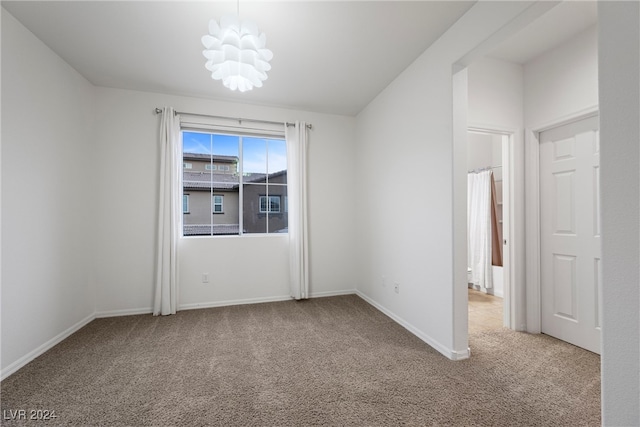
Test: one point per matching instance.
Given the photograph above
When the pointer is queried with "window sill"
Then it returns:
(237, 236)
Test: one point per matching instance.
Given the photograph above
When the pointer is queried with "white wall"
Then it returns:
(558, 85)
(495, 94)
(562, 81)
(405, 187)
(242, 269)
(619, 69)
(47, 114)
(480, 151)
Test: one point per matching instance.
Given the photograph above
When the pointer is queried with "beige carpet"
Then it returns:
(327, 361)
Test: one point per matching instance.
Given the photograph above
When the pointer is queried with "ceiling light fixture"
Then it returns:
(236, 53)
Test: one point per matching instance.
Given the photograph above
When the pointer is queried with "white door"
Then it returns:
(570, 255)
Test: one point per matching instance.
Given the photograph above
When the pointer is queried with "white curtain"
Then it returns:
(169, 215)
(297, 146)
(479, 228)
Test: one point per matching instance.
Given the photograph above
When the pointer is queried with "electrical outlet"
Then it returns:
(396, 287)
(205, 277)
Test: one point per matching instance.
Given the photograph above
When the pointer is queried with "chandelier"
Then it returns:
(236, 53)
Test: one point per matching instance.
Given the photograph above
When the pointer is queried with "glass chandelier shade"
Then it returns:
(236, 53)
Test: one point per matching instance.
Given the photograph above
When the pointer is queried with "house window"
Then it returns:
(217, 204)
(272, 207)
(185, 203)
(187, 165)
(247, 197)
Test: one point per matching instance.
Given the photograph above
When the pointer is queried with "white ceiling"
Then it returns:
(329, 56)
(332, 57)
(553, 28)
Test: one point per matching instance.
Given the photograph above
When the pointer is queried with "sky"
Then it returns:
(257, 152)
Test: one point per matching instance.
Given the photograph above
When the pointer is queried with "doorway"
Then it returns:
(488, 278)
(559, 82)
(569, 231)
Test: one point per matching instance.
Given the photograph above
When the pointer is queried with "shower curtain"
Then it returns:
(479, 228)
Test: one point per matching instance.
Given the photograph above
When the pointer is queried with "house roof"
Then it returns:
(221, 181)
(258, 177)
(208, 180)
(210, 229)
(209, 157)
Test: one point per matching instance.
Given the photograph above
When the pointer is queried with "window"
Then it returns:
(217, 204)
(244, 191)
(274, 204)
(187, 165)
(185, 203)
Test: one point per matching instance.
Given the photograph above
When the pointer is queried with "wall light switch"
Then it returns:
(205, 277)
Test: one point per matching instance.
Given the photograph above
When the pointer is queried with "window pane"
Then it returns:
(277, 160)
(278, 218)
(204, 151)
(226, 154)
(225, 218)
(225, 214)
(254, 157)
(196, 142)
(212, 184)
(274, 204)
(197, 150)
(254, 208)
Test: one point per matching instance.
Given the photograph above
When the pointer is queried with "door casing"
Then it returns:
(509, 304)
(532, 214)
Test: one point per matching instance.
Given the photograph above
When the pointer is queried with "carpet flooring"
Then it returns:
(326, 361)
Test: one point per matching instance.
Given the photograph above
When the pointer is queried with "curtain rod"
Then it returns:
(484, 169)
(239, 119)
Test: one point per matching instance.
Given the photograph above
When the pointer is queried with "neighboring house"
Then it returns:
(211, 192)
(266, 206)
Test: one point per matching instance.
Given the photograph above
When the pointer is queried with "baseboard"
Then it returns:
(489, 291)
(332, 293)
(461, 355)
(15, 366)
(497, 294)
(212, 304)
(126, 312)
(444, 350)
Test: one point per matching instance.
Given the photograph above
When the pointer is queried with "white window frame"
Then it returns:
(185, 198)
(214, 204)
(269, 210)
(187, 165)
(221, 126)
(210, 167)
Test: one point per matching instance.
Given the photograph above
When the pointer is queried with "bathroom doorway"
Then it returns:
(487, 225)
